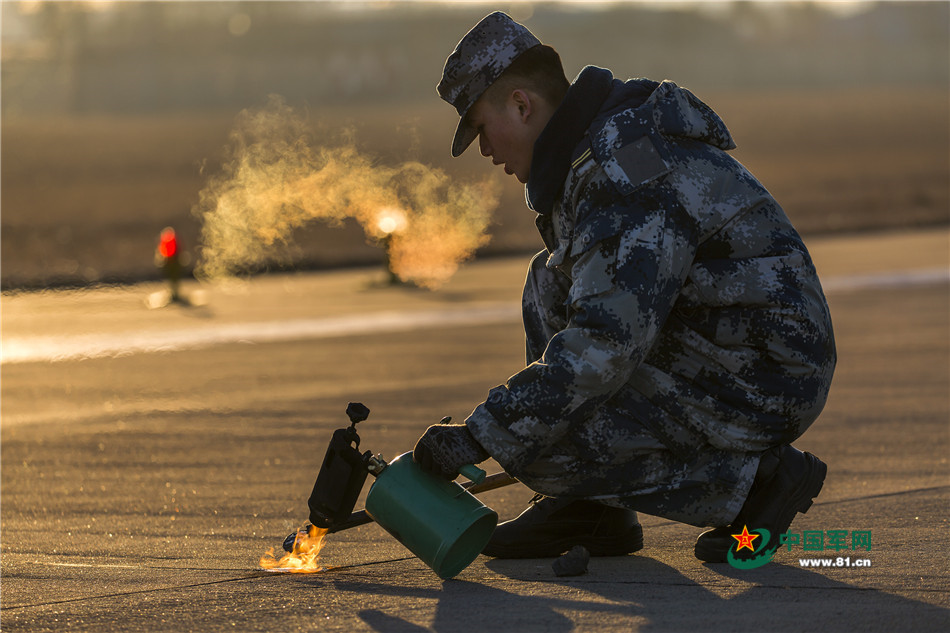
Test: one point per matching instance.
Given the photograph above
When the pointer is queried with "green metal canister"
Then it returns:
(438, 520)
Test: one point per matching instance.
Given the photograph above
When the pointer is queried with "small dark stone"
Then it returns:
(573, 563)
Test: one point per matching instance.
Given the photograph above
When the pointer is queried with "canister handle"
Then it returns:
(473, 472)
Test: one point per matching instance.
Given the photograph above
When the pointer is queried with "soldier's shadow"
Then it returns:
(779, 596)
(463, 606)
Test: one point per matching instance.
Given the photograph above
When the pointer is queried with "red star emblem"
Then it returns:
(745, 539)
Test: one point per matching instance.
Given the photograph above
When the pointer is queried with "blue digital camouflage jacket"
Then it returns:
(693, 304)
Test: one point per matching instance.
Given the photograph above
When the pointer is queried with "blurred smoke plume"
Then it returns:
(275, 179)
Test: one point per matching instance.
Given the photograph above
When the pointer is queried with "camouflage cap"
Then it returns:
(478, 60)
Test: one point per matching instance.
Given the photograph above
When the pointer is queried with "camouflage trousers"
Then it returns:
(614, 459)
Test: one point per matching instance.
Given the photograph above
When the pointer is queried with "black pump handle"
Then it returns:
(357, 412)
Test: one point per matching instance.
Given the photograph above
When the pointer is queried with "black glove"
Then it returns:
(444, 448)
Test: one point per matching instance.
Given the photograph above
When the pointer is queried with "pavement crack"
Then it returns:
(250, 576)
(883, 495)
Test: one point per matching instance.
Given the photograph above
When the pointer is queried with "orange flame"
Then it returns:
(305, 557)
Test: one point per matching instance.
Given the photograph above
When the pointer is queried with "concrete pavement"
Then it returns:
(140, 487)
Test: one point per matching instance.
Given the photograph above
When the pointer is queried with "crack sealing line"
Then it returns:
(881, 495)
(249, 576)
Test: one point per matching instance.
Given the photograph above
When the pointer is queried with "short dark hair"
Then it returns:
(538, 69)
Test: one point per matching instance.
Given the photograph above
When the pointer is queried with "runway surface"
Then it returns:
(150, 457)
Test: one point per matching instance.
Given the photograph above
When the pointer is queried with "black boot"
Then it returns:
(785, 484)
(550, 527)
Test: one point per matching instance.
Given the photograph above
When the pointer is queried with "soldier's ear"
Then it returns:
(523, 102)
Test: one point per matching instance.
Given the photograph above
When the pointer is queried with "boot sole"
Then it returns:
(712, 549)
(628, 543)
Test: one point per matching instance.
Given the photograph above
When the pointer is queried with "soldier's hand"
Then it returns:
(444, 448)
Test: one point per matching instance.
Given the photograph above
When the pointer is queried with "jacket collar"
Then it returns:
(551, 159)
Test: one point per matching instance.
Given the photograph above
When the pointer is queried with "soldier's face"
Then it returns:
(506, 132)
